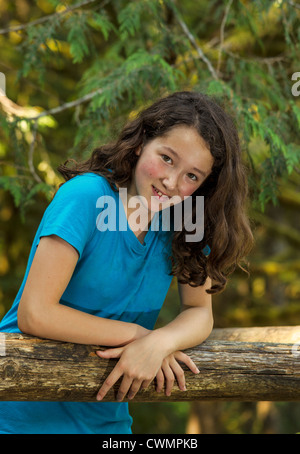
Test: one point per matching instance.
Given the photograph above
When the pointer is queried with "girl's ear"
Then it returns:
(138, 150)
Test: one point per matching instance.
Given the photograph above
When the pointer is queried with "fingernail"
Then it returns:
(98, 397)
(197, 370)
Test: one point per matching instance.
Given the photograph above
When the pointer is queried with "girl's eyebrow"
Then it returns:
(204, 174)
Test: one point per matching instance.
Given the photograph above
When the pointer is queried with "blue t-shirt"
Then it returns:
(88, 214)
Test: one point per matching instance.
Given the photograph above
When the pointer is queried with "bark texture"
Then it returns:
(236, 364)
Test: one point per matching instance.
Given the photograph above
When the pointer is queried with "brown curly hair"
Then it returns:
(226, 225)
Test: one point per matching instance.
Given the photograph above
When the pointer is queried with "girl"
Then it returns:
(98, 275)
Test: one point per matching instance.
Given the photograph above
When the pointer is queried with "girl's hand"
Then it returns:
(140, 362)
(171, 371)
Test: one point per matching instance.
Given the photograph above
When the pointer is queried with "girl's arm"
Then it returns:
(157, 354)
(194, 323)
(40, 313)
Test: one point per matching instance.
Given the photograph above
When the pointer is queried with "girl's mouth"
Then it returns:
(160, 195)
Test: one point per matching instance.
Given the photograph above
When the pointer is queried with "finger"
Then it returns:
(160, 380)
(124, 388)
(145, 384)
(180, 356)
(110, 352)
(169, 378)
(112, 378)
(179, 374)
(135, 387)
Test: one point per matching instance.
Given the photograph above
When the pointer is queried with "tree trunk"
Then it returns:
(238, 364)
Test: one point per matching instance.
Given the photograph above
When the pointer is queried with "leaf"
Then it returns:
(292, 157)
(11, 185)
(42, 187)
(77, 37)
(296, 111)
(102, 22)
(215, 88)
(130, 19)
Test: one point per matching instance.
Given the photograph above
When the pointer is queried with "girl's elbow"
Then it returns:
(209, 323)
(27, 320)
(23, 321)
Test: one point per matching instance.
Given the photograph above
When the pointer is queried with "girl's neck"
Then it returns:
(138, 216)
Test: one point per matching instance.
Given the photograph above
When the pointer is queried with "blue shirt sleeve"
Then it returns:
(72, 213)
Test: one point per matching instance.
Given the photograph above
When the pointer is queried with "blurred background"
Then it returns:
(74, 71)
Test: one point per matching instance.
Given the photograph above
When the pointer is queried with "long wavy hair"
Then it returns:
(226, 225)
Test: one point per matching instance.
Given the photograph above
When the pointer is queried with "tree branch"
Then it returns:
(295, 5)
(31, 151)
(24, 112)
(228, 6)
(193, 42)
(69, 105)
(45, 18)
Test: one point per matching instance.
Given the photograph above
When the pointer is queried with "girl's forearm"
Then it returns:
(59, 322)
(190, 328)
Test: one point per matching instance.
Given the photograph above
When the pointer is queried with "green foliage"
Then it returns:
(23, 191)
(101, 22)
(130, 19)
(77, 37)
(122, 54)
(77, 70)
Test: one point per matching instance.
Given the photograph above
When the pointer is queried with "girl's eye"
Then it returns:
(166, 158)
(192, 176)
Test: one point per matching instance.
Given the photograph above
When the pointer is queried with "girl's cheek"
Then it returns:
(150, 169)
(188, 190)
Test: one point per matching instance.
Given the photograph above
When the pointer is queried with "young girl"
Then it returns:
(99, 275)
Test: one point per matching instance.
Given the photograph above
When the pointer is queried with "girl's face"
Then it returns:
(175, 164)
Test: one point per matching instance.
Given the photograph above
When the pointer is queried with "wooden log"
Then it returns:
(277, 334)
(237, 364)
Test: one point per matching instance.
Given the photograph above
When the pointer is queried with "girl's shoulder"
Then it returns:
(87, 184)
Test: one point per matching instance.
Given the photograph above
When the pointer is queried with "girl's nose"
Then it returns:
(170, 182)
